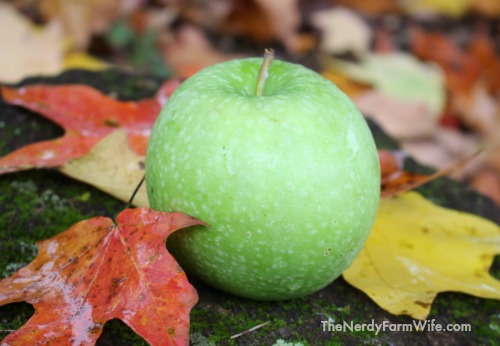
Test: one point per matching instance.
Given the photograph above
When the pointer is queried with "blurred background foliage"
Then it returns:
(427, 71)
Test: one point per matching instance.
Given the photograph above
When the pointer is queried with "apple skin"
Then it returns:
(289, 181)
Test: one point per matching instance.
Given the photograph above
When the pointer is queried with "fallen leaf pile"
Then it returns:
(439, 98)
(409, 65)
(98, 270)
(433, 87)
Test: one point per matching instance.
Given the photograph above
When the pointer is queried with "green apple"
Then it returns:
(288, 181)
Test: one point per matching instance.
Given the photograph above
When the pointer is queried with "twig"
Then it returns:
(129, 203)
(250, 330)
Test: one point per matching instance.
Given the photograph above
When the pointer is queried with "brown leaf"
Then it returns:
(264, 21)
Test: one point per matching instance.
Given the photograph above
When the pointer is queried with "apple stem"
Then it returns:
(264, 68)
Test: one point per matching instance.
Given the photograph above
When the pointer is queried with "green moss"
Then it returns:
(196, 339)
(489, 330)
(117, 330)
(13, 316)
(460, 308)
(295, 320)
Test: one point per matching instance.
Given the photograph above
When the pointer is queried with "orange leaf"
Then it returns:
(87, 115)
(96, 271)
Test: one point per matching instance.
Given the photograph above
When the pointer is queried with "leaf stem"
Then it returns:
(264, 69)
(129, 203)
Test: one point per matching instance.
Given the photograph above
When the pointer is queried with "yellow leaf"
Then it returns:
(84, 61)
(112, 167)
(418, 249)
(455, 8)
(348, 86)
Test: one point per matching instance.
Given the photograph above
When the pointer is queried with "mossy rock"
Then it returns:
(40, 203)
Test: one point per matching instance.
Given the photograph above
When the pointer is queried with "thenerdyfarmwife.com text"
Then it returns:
(386, 326)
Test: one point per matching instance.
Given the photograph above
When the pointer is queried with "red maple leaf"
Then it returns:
(96, 271)
(87, 116)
